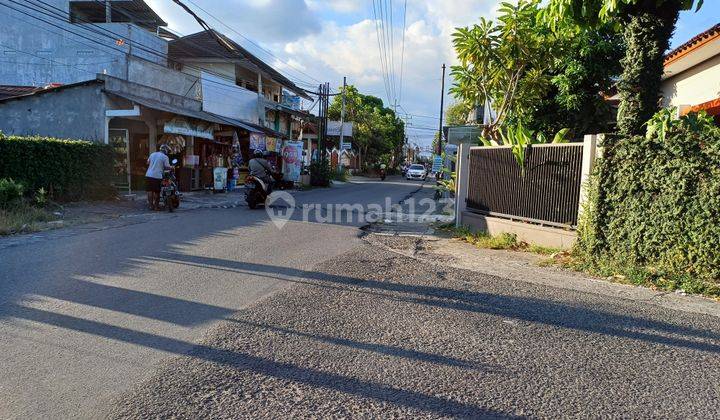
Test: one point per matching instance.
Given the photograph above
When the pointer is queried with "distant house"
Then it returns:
(692, 74)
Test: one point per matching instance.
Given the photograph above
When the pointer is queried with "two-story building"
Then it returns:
(109, 71)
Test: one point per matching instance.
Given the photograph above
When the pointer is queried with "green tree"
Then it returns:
(456, 114)
(647, 28)
(379, 135)
(505, 63)
(588, 66)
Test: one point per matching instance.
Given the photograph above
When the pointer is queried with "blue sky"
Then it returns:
(691, 23)
(323, 40)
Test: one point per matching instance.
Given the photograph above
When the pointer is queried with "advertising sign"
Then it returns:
(273, 144)
(437, 164)
(292, 160)
(179, 125)
(257, 142)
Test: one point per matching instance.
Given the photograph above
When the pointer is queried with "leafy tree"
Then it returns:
(456, 114)
(378, 135)
(504, 63)
(647, 28)
(588, 65)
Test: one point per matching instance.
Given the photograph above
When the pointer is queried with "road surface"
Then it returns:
(77, 307)
(220, 314)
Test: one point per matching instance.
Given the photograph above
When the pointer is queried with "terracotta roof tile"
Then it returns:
(692, 44)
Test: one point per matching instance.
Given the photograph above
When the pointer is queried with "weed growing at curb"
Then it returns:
(506, 241)
(633, 275)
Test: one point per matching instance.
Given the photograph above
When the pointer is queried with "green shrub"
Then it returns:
(341, 174)
(10, 192)
(66, 169)
(320, 174)
(655, 204)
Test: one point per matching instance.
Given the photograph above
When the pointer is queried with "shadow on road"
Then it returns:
(246, 362)
(576, 317)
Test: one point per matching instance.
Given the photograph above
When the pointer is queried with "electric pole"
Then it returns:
(442, 109)
(342, 116)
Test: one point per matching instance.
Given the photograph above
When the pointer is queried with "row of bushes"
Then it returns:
(655, 204)
(66, 169)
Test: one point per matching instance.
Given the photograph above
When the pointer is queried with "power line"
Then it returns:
(388, 3)
(381, 44)
(41, 57)
(113, 35)
(250, 41)
(402, 54)
(66, 29)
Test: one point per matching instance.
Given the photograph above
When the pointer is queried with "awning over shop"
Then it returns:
(200, 115)
(253, 128)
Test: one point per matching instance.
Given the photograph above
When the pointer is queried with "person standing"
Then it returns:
(157, 162)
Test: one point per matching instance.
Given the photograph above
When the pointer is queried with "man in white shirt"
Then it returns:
(157, 163)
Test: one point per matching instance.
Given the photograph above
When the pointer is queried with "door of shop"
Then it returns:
(119, 141)
(139, 152)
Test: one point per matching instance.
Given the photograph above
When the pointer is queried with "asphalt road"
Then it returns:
(81, 309)
(220, 314)
(374, 334)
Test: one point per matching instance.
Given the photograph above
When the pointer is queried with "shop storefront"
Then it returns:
(211, 151)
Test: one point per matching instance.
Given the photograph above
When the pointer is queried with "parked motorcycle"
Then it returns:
(169, 194)
(257, 190)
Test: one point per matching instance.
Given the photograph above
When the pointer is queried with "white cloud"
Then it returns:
(340, 6)
(329, 39)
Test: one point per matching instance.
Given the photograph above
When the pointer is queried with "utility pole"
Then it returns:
(108, 11)
(442, 109)
(342, 116)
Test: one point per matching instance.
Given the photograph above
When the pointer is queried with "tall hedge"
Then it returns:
(655, 203)
(67, 169)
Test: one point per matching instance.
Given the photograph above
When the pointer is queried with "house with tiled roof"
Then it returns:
(692, 74)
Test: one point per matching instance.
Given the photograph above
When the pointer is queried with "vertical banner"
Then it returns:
(292, 160)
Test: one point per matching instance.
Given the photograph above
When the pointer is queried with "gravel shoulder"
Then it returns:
(375, 333)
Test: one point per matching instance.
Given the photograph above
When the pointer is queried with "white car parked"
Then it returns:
(416, 172)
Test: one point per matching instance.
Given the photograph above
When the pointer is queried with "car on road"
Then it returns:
(416, 172)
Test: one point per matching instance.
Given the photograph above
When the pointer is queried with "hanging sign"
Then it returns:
(180, 125)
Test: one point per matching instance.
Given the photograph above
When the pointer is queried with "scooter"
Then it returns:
(382, 174)
(169, 194)
(257, 190)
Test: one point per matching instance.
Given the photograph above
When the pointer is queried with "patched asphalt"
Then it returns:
(375, 334)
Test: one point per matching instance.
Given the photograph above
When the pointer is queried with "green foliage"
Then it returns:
(320, 174)
(22, 218)
(506, 241)
(41, 198)
(10, 192)
(456, 114)
(341, 174)
(66, 169)
(593, 11)
(504, 62)
(647, 27)
(377, 130)
(654, 205)
(647, 36)
(588, 65)
(519, 138)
